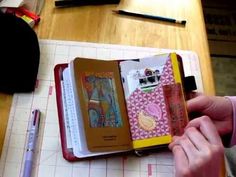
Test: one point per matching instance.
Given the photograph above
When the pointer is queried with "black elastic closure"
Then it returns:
(189, 83)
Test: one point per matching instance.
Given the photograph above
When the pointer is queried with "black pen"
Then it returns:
(166, 19)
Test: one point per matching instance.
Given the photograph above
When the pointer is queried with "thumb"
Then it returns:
(198, 104)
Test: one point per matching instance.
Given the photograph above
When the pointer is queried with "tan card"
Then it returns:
(102, 104)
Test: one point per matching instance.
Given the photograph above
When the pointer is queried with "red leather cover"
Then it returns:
(67, 153)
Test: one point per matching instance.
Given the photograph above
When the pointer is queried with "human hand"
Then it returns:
(199, 151)
(219, 109)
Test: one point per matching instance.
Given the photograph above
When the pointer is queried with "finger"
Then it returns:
(173, 143)
(191, 95)
(190, 150)
(196, 137)
(198, 104)
(180, 159)
(207, 128)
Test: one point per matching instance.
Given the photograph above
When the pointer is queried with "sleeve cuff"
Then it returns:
(233, 137)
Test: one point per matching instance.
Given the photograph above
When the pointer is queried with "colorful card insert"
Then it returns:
(100, 95)
(148, 112)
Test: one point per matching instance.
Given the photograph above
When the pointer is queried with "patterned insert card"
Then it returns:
(49, 161)
(141, 105)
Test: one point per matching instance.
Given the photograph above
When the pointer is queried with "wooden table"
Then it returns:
(99, 24)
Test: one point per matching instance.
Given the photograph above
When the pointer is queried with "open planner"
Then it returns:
(120, 106)
(49, 159)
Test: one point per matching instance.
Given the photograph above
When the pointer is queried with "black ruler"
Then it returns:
(62, 3)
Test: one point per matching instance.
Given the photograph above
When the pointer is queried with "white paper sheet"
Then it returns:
(11, 3)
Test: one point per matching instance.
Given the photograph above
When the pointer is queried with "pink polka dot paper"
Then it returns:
(139, 101)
